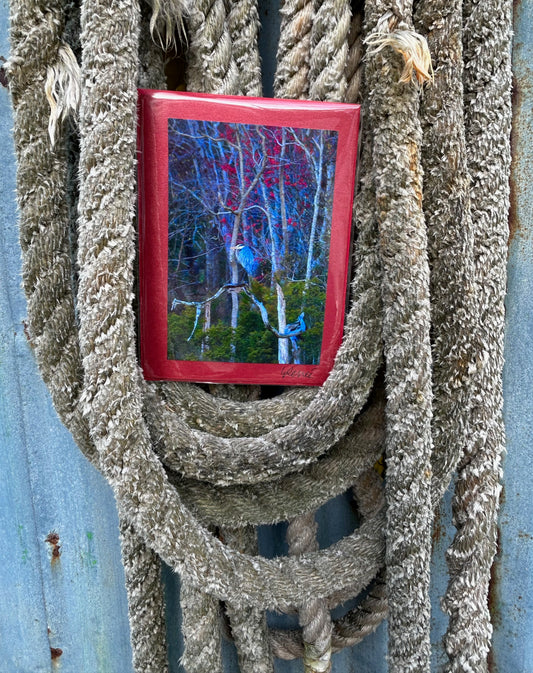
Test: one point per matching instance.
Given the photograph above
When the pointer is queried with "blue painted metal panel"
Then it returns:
(73, 601)
(512, 598)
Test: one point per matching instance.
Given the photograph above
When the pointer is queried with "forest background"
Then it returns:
(248, 241)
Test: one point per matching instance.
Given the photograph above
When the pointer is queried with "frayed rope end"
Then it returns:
(63, 89)
(413, 48)
(167, 19)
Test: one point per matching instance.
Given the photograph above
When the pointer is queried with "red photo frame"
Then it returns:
(245, 211)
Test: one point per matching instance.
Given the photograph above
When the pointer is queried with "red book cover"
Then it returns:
(245, 212)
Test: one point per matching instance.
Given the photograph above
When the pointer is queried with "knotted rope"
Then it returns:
(180, 460)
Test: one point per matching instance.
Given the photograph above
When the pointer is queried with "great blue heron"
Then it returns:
(296, 328)
(246, 258)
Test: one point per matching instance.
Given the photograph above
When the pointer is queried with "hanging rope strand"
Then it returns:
(294, 48)
(487, 79)
(243, 26)
(248, 625)
(394, 117)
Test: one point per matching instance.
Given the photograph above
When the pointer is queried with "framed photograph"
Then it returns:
(245, 214)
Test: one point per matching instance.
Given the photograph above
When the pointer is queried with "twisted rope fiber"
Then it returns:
(354, 69)
(275, 408)
(212, 65)
(405, 291)
(137, 417)
(314, 616)
(44, 211)
(170, 515)
(450, 234)
(236, 460)
(248, 625)
(327, 81)
(200, 611)
(296, 493)
(44, 227)
(201, 630)
(145, 601)
(36, 307)
(329, 50)
(291, 77)
(243, 26)
(362, 620)
(487, 83)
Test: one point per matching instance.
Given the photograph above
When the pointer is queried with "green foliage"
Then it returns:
(217, 343)
(179, 328)
(312, 302)
(253, 341)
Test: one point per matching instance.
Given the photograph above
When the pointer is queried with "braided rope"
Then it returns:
(248, 625)
(394, 116)
(114, 396)
(314, 616)
(487, 80)
(294, 46)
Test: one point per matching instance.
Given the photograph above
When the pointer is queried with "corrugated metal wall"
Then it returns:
(62, 599)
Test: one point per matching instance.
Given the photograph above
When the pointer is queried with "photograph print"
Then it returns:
(249, 230)
(245, 220)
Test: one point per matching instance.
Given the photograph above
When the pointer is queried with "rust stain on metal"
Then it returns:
(55, 652)
(27, 334)
(437, 527)
(53, 540)
(4, 80)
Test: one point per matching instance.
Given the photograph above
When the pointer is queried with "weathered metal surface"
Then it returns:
(62, 605)
(512, 595)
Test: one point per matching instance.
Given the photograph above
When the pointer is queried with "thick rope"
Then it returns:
(314, 616)
(44, 223)
(291, 78)
(212, 65)
(201, 631)
(243, 26)
(253, 578)
(329, 50)
(297, 493)
(145, 603)
(394, 117)
(248, 625)
(354, 66)
(487, 79)
(450, 234)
